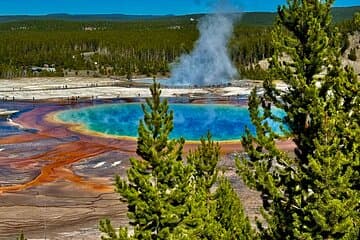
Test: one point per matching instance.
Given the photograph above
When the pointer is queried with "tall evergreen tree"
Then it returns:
(204, 161)
(157, 185)
(314, 195)
(215, 209)
(230, 213)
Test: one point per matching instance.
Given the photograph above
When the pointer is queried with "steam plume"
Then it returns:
(209, 63)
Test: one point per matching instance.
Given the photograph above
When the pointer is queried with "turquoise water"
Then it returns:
(191, 121)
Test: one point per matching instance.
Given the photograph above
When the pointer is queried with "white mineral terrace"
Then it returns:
(97, 88)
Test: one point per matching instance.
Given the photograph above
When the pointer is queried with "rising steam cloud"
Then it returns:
(209, 63)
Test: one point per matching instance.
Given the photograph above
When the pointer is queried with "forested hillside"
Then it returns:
(45, 47)
(109, 48)
(93, 46)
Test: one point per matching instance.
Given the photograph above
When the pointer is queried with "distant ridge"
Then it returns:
(80, 17)
(248, 18)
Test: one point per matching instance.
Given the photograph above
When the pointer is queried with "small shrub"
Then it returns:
(352, 55)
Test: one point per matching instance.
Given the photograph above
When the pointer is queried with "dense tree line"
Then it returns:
(250, 45)
(124, 48)
(136, 50)
(141, 47)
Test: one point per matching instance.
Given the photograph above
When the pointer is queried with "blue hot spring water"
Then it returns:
(191, 121)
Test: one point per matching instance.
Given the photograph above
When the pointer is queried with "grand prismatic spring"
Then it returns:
(191, 121)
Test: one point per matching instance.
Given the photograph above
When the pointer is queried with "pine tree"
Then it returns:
(352, 55)
(200, 223)
(204, 160)
(158, 184)
(314, 195)
(219, 214)
(231, 214)
(356, 20)
(111, 234)
(21, 237)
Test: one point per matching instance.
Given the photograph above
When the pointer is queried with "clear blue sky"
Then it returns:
(155, 7)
